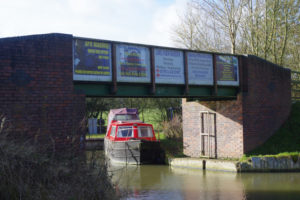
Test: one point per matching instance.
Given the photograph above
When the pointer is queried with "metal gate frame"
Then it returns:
(211, 135)
(295, 81)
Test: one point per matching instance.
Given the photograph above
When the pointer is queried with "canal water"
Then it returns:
(164, 182)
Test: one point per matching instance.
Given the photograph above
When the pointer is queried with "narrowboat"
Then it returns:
(130, 141)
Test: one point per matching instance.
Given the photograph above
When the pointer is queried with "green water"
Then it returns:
(164, 182)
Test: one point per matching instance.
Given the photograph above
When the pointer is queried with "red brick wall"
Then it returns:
(36, 88)
(262, 106)
(266, 100)
(229, 140)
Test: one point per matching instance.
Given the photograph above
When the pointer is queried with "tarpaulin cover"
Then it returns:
(124, 111)
(121, 111)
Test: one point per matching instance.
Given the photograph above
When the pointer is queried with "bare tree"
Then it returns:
(269, 26)
(211, 24)
(226, 14)
(266, 28)
(196, 32)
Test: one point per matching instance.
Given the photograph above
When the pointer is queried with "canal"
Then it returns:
(164, 182)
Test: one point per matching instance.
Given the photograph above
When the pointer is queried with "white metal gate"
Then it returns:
(208, 141)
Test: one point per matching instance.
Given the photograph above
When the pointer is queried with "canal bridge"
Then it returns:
(231, 103)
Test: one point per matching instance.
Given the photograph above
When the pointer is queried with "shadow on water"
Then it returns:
(163, 182)
(275, 186)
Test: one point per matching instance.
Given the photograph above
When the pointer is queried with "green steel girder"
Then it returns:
(144, 90)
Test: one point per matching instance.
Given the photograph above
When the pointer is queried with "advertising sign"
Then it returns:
(227, 70)
(200, 68)
(133, 63)
(169, 66)
(91, 60)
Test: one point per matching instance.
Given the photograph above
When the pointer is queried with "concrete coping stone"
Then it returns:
(256, 164)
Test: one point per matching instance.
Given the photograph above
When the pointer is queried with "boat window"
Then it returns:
(126, 117)
(145, 131)
(125, 131)
(113, 131)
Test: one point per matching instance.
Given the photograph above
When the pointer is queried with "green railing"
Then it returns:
(295, 85)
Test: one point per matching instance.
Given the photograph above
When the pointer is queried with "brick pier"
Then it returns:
(261, 107)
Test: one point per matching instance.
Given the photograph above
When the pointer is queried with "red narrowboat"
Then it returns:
(128, 140)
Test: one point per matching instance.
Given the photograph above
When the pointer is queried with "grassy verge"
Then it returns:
(285, 142)
(160, 136)
(152, 116)
(94, 136)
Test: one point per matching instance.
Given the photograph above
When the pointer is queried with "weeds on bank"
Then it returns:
(29, 172)
(172, 143)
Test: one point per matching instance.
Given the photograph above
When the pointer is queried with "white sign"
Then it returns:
(169, 66)
(133, 64)
(200, 68)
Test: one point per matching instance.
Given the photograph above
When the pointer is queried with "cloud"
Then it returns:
(139, 21)
(163, 21)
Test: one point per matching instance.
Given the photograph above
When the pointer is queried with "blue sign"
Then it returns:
(227, 70)
(91, 60)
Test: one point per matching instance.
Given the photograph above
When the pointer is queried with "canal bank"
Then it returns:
(94, 144)
(254, 164)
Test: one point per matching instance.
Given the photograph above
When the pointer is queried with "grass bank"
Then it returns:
(285, 142)
(94, 136)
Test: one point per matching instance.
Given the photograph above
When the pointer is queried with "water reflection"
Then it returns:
(200, 184)
(146, 182)
(163, 182)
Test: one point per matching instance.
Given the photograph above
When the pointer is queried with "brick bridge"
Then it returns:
(39, 97)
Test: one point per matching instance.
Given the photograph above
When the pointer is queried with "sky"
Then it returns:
(137, 21)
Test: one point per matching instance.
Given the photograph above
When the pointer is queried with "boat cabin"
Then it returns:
(129, 140)
(126, 130)
(124, 124)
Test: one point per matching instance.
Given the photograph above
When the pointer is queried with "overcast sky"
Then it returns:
(139, 21)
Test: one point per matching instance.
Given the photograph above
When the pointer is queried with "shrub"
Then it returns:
(173, 128)
(28, 173)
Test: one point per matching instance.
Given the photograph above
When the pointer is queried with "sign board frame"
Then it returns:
(166, 61)
(200, 72)
(98, 63)
(227, 67)
(134, 62)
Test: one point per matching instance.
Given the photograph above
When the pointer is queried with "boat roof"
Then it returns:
(123, 111)
(130, 122)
